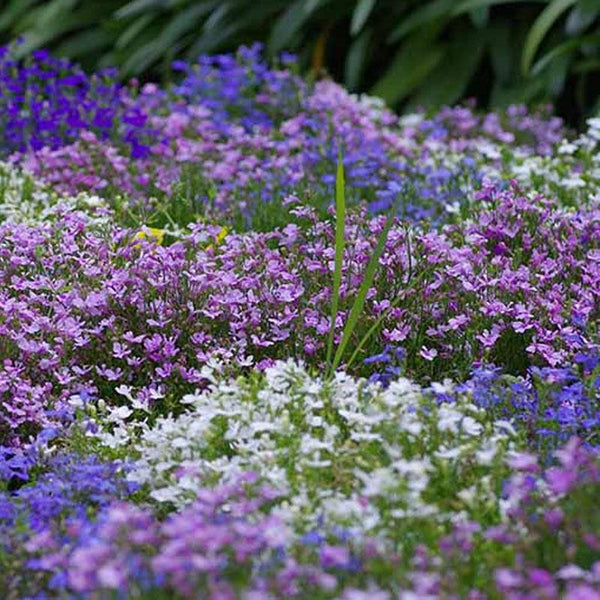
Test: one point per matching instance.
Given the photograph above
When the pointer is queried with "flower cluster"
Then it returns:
(492, 288)
(25, 200)
(46, 102)
(229, 543)
(364, 458)
(48, 496)
(256, 135)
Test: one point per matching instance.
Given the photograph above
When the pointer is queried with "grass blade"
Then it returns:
(361, 296)
(340, 235)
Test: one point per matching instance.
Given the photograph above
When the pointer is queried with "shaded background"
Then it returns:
(410, 52)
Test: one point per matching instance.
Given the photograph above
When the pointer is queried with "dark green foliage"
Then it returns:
(412, 52)
(510, 352)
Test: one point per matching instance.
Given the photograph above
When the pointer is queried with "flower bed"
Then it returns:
(215, 383)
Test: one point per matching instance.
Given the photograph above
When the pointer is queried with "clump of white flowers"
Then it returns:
(363, 457)
(23, 199)
(571, 174)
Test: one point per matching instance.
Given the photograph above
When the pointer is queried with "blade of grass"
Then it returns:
(378, 322)
(361, 295)
(340, 235)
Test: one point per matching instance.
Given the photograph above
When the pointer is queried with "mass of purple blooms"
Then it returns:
(164, 244)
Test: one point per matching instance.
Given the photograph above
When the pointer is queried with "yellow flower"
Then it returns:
(150, 232)
(219, 237)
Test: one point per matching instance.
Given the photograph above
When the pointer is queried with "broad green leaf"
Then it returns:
(133, 30)
(564, 48)
(287, 26)
(361, 13)
(13, 12)
(340, 240)
(502, 49)
(465, 6)
(217, 16)
(522, 92)
(540, 28)
(412, 64)
(58, 8)
(108, 59)
(182, 23)
(170, 36)
(40, 35)
(557, 74)
(588, 4)
(432, 11)
(92, 16)
(480, 16)
(311, 5)
(138, 7)
(447, 82)
(211, 41)
(580, 19)
(586, 65)
(84, 42)
(356, 59)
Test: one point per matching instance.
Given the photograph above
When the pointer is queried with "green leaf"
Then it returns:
(46, 15)
(381, 317)
(540, 28)
(214, 37)
(84, 42)
(564, 48)
(502, 50)
(469, 5)
(556, 76)
(311, 5)
(448, 81)
(287, 26)
(415, 60)
(580, 19)
(151, 52)
(432, 11)
(480, 16)
(340, 240)
(363, 290)
(588, 4)
(13, 12)
(586, 65)
(133, 30)
(212, 40)
(217, 17)
(138, 7)
(523, 92)
(361, 13)
(356, 59)
(48, 23)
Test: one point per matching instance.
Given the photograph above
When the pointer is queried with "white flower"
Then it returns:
(470, 426)
(448, 453)
(566, 147)
(119, 414)
(166, 494)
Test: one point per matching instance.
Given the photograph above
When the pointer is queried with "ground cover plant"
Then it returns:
(261, 338)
